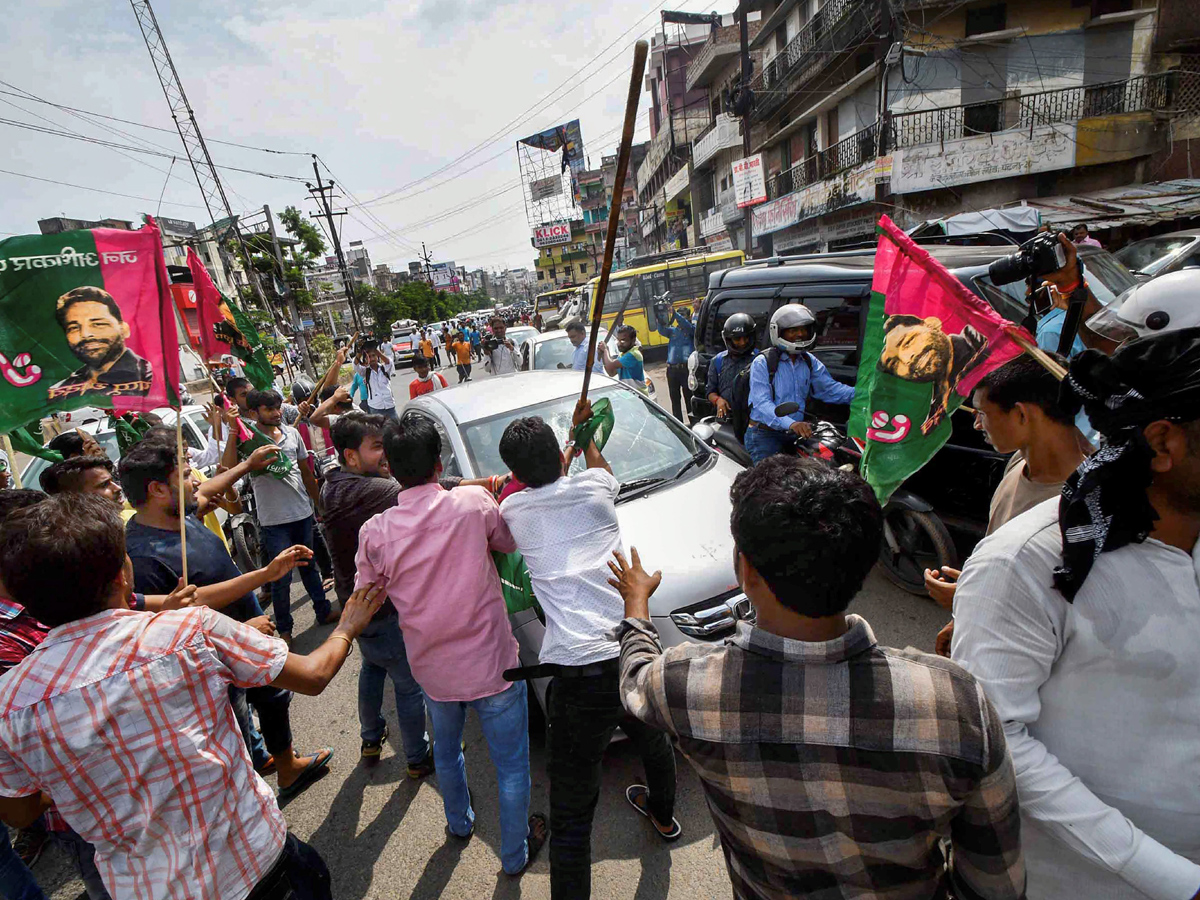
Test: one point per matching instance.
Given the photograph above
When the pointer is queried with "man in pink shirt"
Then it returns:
(458, 653)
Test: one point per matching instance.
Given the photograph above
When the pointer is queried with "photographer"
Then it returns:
(500, 354)
(1051, 262)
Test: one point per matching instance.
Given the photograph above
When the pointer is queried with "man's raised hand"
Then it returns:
(635, 586)
(296, 555)
(263, 457)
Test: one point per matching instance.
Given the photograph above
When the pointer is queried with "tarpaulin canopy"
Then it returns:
(1129, 204)
(1016, 218)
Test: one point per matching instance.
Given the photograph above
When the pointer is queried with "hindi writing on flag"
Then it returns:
(85, 320)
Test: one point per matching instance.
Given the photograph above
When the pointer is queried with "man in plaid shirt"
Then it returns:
(833, 767)
(122, 720)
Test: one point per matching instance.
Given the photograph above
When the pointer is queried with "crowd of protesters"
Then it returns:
(1048, 751)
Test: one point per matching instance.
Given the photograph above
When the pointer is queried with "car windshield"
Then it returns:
(555, 353)
(1152, 254)
(32, 476)
(645, 442)
(520, 335)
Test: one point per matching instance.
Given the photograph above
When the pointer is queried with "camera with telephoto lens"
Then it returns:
(490, 343)
(1037, 257)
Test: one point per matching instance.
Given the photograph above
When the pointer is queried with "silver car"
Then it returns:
(1161, 254)
(674, 503)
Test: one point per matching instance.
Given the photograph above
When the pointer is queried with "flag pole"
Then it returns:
(1048, 362)
(640, 50)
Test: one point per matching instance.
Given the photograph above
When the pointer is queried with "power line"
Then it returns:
(84, 187)
(25, 95)
(112, 145)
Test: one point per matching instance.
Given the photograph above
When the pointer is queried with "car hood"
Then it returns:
(684, 531)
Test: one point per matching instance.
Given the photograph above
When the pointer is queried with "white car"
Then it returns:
(674, 504)
(195, 435)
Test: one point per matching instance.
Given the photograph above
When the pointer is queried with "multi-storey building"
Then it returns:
(926, 108)
(677, 116)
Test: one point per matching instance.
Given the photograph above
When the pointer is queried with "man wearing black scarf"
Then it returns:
(1081, 619)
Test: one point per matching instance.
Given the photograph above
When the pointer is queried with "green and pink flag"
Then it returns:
(86, 319)
(928, 341)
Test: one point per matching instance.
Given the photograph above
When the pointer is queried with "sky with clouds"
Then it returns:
(386, 92)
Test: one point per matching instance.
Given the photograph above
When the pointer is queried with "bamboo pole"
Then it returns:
(640, 51)
(180, 462)
(1038, 353)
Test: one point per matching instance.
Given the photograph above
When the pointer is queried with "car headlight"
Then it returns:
(714, 617)
(693, 364)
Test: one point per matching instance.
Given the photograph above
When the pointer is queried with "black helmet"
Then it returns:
(302, 389)
(738, 325)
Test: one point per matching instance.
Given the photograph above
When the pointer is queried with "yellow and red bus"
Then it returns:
(550, 302)
(686, 277)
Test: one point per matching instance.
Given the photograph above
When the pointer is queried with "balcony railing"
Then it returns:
(721, 44)
(948, 123)
(836, 26)
(725, 131)
(845, 154)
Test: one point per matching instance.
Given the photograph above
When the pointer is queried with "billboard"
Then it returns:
(749, 180)
(443, 276)
(566, 137)
(550, 235)
(543, 188)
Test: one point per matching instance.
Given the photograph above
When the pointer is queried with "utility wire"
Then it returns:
(84, 187)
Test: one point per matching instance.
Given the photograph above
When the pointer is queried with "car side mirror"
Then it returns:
(704, 432)
(787, 409)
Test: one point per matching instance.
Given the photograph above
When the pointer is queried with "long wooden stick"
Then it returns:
(181, 461)
(1038, 353)
(640, 51)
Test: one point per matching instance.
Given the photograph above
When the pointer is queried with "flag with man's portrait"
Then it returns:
(86, 319)
(225, 329)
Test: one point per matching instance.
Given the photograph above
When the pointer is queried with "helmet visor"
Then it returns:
(1109, 323)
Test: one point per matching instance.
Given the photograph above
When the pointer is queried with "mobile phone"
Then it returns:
(1042, 301)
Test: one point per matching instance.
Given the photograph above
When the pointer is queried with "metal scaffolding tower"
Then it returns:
(211, 188)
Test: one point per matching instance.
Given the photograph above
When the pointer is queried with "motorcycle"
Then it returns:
(242, 531)
(914, 536)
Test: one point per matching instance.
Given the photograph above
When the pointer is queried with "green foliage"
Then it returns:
(322, 346)
(415, 300)
(311, 243)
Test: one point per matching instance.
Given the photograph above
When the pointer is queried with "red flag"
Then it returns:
(208, 308)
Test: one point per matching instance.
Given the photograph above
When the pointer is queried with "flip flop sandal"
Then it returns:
(308, 774)
(267, 768)
(534, 843)
(638, 796)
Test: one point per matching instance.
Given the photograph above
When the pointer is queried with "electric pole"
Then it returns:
(289, 297)
(743, 105)
(327, 210)
(425, 257)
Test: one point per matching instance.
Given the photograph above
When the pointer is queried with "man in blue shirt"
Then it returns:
(577, 335)
(681, 341)
(1050, 326)
(627, 366)
(793, 332)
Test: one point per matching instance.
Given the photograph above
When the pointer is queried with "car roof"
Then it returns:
(1187, 232)
(849, 265)
(493, 396)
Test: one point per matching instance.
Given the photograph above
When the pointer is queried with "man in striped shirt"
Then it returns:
(832, 766)
(122, 720)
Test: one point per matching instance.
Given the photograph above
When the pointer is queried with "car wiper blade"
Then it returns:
(638, 484)
(701, 456)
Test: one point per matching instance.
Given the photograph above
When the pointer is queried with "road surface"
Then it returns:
(383, 835)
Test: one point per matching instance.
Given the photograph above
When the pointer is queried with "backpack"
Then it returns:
(739, 407)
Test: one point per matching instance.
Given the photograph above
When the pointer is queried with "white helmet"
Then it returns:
(1167, 303)
(792, 316)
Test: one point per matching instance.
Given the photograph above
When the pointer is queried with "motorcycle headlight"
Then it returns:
(714, 617)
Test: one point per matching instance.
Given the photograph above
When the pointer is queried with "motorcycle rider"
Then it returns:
(787, 372)
(739, 352)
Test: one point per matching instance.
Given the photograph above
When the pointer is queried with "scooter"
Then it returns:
(914, 536)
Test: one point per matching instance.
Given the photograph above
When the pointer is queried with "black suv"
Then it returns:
(835, 287)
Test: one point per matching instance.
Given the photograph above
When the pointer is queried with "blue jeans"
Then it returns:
(276, 539)
(763, 442)
(383, 656)
(504, 718)
(16, 881)
(388, 412)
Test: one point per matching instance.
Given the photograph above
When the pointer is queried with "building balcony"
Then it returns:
(1154, 93)
(712, 222)
(686, 126)
(722, 46)
(845, 154)
(836, 27)
(724, 132)
(730, 211)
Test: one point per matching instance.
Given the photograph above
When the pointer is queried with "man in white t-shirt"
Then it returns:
(566, 527)
(376, 367)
